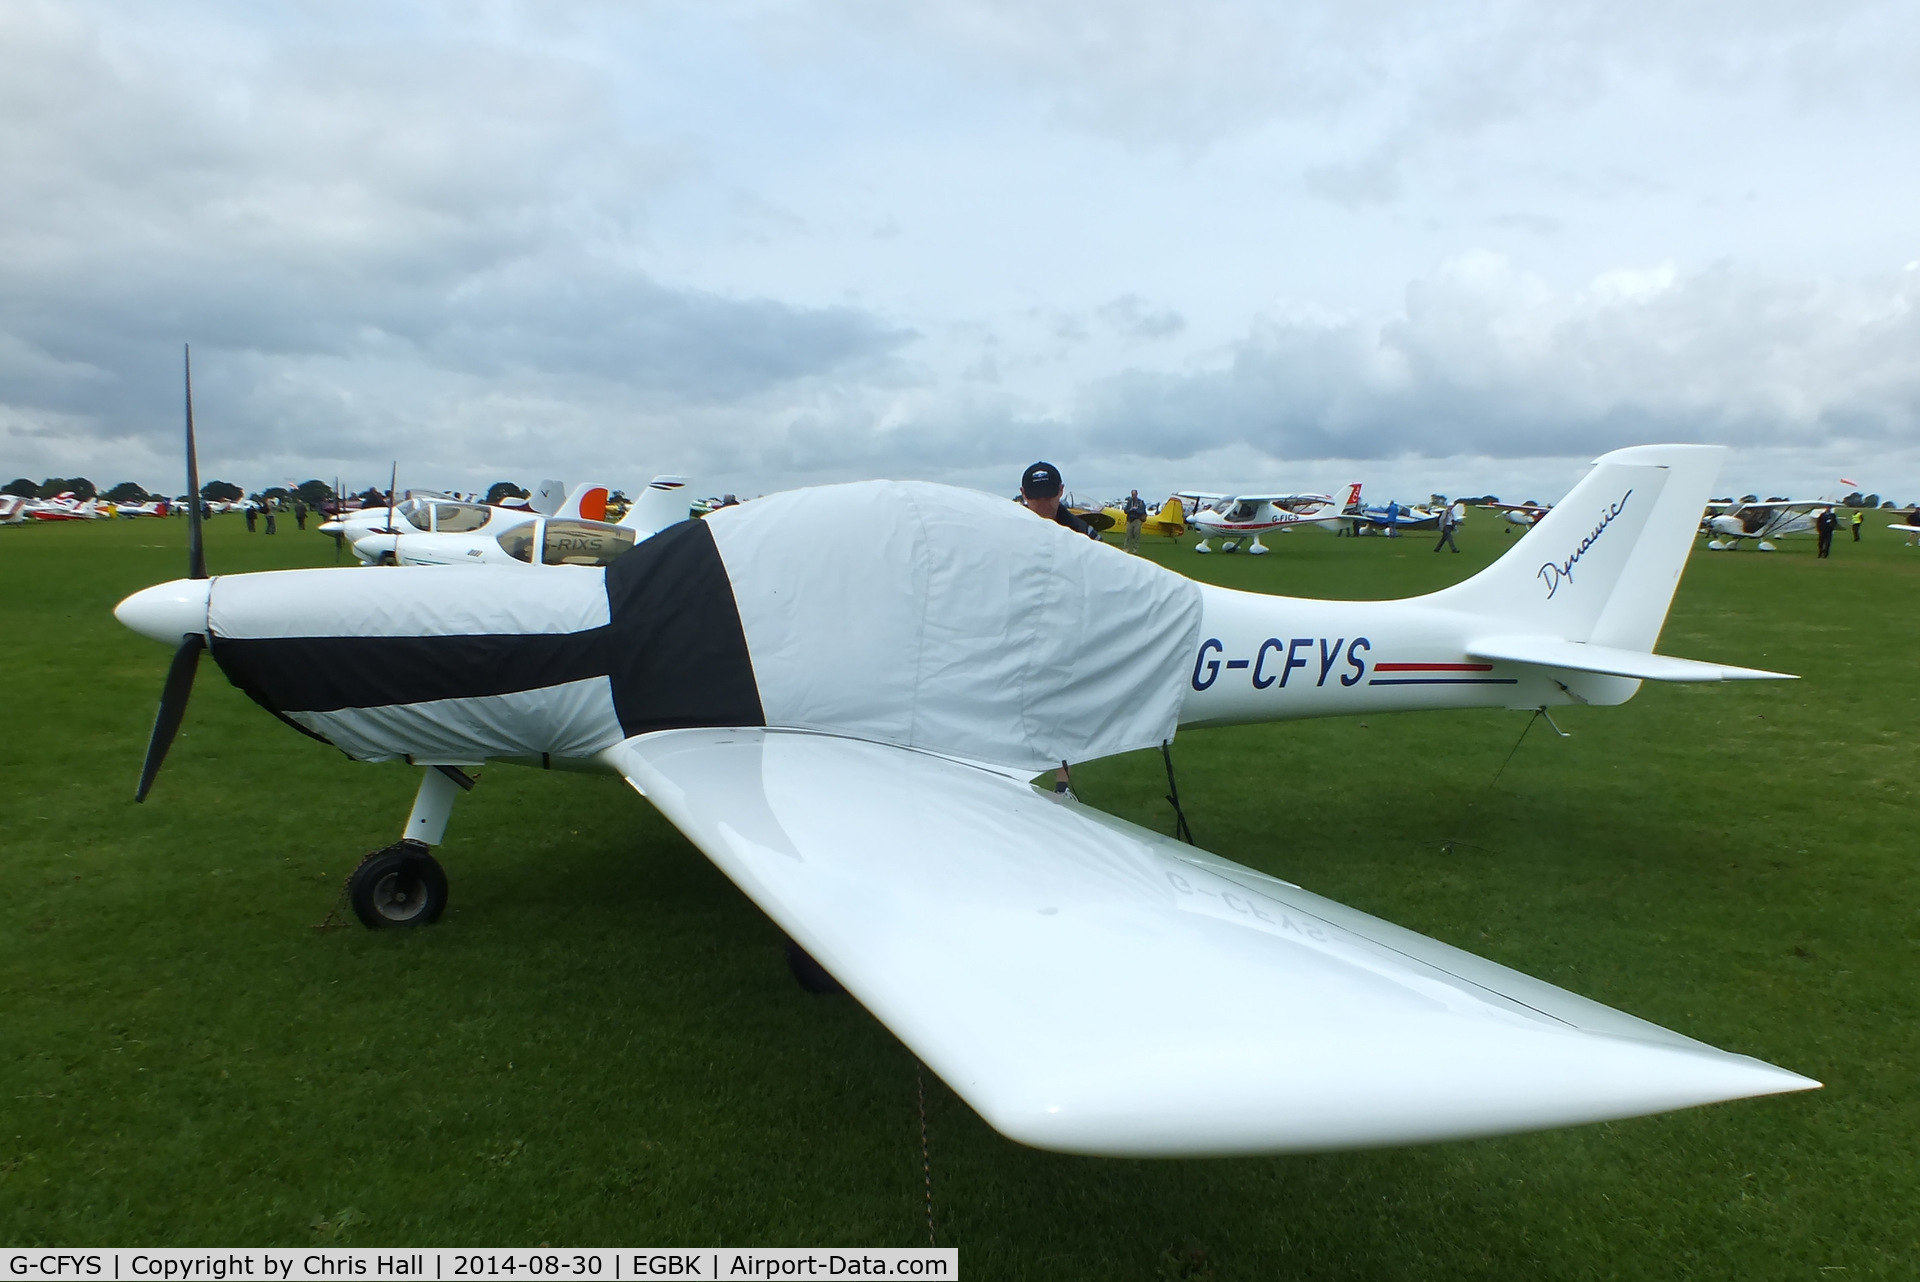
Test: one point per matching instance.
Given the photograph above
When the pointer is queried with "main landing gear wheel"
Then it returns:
(403, 885)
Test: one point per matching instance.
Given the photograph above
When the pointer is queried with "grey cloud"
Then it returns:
(1485, 360)
(356, 236)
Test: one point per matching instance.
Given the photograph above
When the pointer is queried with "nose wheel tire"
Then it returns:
(403, 885)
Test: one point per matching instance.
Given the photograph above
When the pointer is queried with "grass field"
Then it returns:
(601, 1045)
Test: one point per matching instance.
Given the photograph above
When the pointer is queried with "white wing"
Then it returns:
(1092, 987)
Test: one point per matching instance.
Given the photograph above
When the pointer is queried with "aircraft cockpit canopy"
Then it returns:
(567, 542)
(445, 518)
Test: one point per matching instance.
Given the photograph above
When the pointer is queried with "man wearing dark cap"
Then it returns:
(1040, 491)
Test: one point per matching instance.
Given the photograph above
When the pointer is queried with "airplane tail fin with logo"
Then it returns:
(547, 497)
(588, 502)
(661, 504)
(1588, 589)
(1353, 496)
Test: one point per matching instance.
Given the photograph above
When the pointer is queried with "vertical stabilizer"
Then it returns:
(588, 502)
(1602, 566)
(661, 504)
(547, 497)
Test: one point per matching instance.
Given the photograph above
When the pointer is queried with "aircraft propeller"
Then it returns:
(186, 660)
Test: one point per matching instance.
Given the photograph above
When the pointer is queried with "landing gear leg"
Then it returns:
(404, 885)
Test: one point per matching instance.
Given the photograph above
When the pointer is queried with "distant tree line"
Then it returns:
(505, 490)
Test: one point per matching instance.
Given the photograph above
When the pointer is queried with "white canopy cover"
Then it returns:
(955, 622)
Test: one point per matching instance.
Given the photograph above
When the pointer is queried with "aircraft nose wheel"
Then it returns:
(403, 885)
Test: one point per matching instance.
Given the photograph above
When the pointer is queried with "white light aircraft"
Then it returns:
(407, 513)
(577, 534)
(1237, 519)
(151, 507)
(65, 506)
(1727, 522)
(846, 723)
(1525, 515)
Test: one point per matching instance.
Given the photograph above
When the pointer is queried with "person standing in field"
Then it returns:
(1448, 523)
(1857, 518)
(1135, 511)
(271, 527)
(1825, 524)
(300, 514)
(250, 518)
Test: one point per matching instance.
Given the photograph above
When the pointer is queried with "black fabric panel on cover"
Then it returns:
(679, 655)
(326, 674)
(673, 649)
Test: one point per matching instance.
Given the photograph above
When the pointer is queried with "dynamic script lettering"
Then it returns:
(1554, 573)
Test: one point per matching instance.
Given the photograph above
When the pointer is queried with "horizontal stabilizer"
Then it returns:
(1578, 656)
(1092, 987)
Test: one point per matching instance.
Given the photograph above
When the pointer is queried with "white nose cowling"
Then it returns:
(167, 611)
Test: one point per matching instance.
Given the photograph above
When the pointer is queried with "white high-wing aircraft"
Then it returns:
(1235, 519)
(1728, 522)
(845, 724)
(576, 534)
(1525, 515)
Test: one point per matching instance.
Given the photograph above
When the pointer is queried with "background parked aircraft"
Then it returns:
(1363, 517)
(1762, 522)
(1237, 519)
(1526, 515)
(443, 533)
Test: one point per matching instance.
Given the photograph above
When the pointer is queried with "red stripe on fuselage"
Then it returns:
(1433, 667)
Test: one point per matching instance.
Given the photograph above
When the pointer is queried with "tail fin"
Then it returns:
(1353, 496)
(661, 504)
(547, 497)
(1602, 566)
(588, 502)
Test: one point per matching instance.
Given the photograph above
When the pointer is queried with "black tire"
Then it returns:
(810, 974)
(403, 885)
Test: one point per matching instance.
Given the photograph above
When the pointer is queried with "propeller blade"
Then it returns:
(339, 512)
(196, 547)
(173, 706)
(391, 482)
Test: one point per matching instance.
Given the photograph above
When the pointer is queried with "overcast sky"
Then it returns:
(1432, 247)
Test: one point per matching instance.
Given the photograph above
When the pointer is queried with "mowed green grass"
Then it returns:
(600, 1044)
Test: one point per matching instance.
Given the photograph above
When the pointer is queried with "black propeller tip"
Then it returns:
(173, 707)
